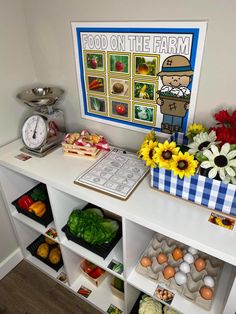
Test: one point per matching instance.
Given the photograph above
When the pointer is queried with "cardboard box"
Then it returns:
(96, 281)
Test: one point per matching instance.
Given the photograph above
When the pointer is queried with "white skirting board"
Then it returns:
(10, 262)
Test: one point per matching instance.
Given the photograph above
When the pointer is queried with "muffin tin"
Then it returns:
(189, 290)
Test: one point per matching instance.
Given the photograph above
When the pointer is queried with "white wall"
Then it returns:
(16, 71)
(52, 49)
(50, 39)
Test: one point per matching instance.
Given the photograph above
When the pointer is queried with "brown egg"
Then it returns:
(168, 272)
(146, 261)
(200, 264)
(206, 293)
(161, 258)
(177, 254)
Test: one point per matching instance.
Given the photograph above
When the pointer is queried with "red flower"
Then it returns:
(234, 119)
(225, 135)
(223, 117)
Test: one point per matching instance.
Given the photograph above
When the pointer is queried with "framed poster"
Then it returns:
(139, 75)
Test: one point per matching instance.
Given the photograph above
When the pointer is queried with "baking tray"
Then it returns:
(47, 218)
(32, 248)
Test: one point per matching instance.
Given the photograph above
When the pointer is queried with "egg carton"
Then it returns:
(189, 290)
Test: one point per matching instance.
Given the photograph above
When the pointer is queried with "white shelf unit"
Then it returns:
(146, 212)
(135, 252)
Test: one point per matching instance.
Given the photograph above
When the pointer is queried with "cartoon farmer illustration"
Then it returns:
(174, 96)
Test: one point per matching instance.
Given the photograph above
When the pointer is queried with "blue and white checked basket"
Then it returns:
(199, 189)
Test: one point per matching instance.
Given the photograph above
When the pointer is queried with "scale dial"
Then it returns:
(34, 132)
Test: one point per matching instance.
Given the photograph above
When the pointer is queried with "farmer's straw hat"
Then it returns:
(176, 65)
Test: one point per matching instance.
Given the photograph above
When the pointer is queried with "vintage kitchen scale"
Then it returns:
(44, 129)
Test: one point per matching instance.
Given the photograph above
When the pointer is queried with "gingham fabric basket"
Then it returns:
(199, 189)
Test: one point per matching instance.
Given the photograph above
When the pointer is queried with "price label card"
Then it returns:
(114, 310)
(85, 292)
(222, 221)
(116, 266)
(164, 294)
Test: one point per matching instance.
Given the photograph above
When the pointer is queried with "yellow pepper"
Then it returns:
(38, 208)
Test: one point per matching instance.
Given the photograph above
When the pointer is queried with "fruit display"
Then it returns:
(35, 204)
(185, 270)
(93, 272)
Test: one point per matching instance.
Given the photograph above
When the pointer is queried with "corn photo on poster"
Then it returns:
(139, 75)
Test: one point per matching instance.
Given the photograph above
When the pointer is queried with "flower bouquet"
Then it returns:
(199, 166)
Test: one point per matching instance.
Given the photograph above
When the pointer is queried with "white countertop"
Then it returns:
(176, 218)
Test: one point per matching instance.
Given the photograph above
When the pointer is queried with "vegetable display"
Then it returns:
(25, 201)
(149, 306)
(33, 202)
(38, 195)
(38, 208)
(91, 226)
(91, 269)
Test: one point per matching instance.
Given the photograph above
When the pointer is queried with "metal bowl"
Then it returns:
(40, 96)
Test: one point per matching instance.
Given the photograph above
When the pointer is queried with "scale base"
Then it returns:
(38, 153)
(46, 149)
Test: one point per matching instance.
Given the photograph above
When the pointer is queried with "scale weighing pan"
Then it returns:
(40, 96)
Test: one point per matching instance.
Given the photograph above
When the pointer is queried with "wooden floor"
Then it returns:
(26, 290)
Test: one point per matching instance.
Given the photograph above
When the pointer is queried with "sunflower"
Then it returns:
(146, 153)
(151, 136)
(222, 162)
(202, 141)
(183, 165)
(194, 129)
(163, 154)
(144, 145)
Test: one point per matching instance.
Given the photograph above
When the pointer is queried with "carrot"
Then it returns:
(94, 82)
(98, 85)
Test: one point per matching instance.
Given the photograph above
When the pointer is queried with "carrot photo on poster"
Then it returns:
(96, 84)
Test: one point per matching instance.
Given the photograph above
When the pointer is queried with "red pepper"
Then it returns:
(25, 201)
(97, 272)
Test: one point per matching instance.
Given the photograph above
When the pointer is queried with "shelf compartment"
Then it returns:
(181, 304)
(115, 254)
(100, 297)
(33, 224)
(45, 268)
(102, 250)
(32, 248)
(47, 218)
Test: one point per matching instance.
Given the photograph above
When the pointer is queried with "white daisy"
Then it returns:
(229, 179)
(202, 141)
(222, 162)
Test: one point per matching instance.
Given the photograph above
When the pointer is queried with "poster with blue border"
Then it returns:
(139, 75)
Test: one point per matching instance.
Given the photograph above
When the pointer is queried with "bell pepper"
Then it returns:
(25, 201)
(38, 195)
(38, 208)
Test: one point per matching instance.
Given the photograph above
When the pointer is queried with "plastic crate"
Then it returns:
(47, 218)
(102, 250)
(32, 248)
